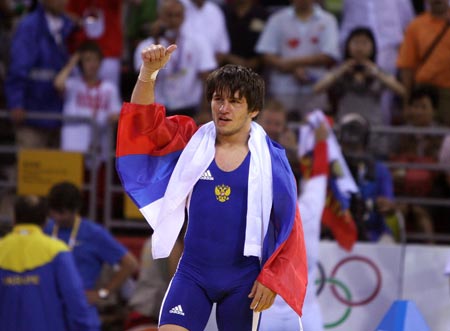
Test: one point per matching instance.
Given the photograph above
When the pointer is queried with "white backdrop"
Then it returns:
(369, 265)
(369, 279)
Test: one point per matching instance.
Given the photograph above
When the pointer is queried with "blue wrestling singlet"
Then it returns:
(213, 268)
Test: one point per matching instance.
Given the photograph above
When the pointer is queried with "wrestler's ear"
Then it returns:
(254, 114)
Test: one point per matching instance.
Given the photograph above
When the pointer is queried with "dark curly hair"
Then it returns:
(231, 78)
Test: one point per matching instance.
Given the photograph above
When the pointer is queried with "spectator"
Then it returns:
(91, 245)
(417, 148)
(358, 82)
(245, 20)
(298, 43)
(374, 201)
(423, 56)
(387, 19)
(422, 105)
(273, 119)
(181, 83)
(40, 288)
(205, 19)
(38, 52)
(100, 21)
(89, 97)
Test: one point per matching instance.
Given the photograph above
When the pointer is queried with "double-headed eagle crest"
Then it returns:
(222, 192)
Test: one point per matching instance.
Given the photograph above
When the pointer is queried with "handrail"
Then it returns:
(36, 115)
(409, 129)
(13, 149)
(423, 201)
(418, 165)
(113, 222)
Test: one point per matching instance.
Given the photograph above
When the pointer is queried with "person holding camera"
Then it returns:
(358, 83)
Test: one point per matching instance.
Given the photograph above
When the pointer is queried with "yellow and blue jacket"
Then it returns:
(40, 288)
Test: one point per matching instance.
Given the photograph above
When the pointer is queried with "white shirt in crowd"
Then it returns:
(207, 21)
(98, 103)
(178, 84)
(288, 36)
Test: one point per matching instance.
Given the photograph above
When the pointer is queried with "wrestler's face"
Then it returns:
(230, 114)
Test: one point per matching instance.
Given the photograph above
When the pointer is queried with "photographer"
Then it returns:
(374, 201)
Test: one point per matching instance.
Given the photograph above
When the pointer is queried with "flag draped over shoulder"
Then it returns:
(147, 151)
(284, 255)
(336, 214)
(149, 147)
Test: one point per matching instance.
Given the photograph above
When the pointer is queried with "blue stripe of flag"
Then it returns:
(145, 177)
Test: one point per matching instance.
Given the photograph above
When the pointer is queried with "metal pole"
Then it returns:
(108, 178)
(401, 277)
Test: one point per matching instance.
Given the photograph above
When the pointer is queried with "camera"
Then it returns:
(359, 67)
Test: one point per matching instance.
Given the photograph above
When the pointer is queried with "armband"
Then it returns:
(146, 75)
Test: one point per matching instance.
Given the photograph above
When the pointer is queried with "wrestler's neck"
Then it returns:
(238, 139)
(230, 154)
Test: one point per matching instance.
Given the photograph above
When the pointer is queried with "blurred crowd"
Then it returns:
(368, 65)
(372, 58)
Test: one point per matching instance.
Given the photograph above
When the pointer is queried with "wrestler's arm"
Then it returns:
(263, 297)
(154, 58)
(143, 125)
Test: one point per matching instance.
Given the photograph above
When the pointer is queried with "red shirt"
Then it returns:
(108, 14)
